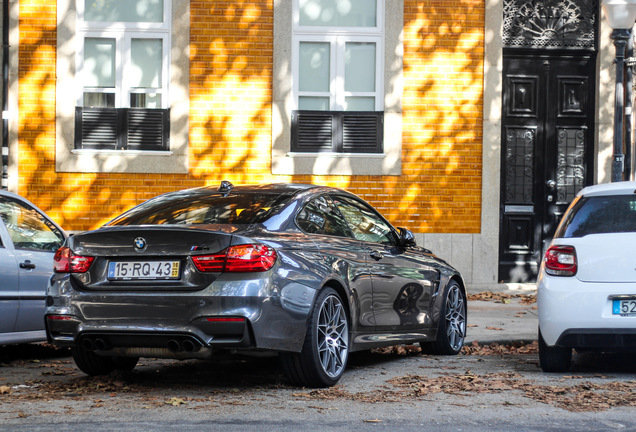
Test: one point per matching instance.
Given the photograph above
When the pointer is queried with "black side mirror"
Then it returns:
(407, 239)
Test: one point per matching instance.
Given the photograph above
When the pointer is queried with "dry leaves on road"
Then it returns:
(583, 396)
(502, 297)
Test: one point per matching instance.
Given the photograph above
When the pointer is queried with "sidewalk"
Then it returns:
(502, 322)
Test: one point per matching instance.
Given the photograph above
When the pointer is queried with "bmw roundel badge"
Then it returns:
(140, 243)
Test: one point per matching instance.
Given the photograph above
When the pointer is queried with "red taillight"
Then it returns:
(59, 317)
(225, 319)
(65, 261)
(210, 263)
(242, 258)
(560, 261)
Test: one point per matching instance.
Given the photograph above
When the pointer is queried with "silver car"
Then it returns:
(28, 241)
(312, 273)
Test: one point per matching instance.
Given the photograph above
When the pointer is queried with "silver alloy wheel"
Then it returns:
(333, 336)
(455, 318)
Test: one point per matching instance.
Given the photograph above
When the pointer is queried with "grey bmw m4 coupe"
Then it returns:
(309, 272)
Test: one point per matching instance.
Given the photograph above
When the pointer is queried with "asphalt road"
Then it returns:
(496, 388)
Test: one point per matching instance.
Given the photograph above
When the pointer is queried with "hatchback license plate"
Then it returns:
(624, 307)
(143, 270)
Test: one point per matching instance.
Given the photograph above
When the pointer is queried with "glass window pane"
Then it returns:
(145, 100)
(99, 100)
(99, 62)
(146, 62)
(123, 10)
(313, 103)
(314, 66)
(27, 228)
(359, 103)
(338, 13)
(359, 67)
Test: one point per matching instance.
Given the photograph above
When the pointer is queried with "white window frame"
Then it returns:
(123, 32)
(337, 37)
(70, 36)
(83, 25)
(284, 161)
(123, 88)
(337, 93)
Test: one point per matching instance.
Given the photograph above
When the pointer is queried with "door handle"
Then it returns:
(376, 255)
(551, 184)
(27, 265)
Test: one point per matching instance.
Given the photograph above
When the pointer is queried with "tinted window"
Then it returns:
(28, 228)
(194, 208)
(319, 216)
(364, 221)
(596, 215)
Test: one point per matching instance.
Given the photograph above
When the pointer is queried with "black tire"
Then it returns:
(94, 364)
(91, 363)
(325, 351)
(125, 364)
(451, 330)
(555, 358)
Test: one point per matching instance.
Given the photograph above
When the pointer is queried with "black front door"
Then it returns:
(547, 150)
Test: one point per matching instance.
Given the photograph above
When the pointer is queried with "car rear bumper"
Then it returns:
(579, 315)
(251, 313)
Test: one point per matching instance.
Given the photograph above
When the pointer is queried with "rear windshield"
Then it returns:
(187, 208)
(601, 214)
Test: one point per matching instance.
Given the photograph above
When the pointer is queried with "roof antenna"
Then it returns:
(225, 188)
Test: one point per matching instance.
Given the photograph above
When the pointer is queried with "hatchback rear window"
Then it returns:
(187, 208)
(600, 214)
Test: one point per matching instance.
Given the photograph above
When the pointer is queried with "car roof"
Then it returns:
(616, 188)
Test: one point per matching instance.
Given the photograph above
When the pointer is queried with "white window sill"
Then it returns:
(121, 152)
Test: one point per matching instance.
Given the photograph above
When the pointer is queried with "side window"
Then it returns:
(366, 224)
(321, 217)
(28, 228)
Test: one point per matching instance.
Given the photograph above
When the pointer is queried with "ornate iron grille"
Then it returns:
(519, 165)
(550, 23)
(570, 165)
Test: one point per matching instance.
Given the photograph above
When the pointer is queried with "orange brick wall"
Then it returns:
(230, 117)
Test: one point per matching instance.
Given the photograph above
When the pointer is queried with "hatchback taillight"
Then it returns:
(241, 258)
(560, 261)
(65, 261)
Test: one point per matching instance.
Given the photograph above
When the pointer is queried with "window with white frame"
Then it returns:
(122, 64)
(337, 62)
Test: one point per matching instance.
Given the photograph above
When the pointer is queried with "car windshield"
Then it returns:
(600, 214)
(192, 208)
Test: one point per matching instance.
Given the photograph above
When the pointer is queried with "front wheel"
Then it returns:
(451, 330)
(325, 352)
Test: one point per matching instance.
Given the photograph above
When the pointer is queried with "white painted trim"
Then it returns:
(283, 101)
(67, 159)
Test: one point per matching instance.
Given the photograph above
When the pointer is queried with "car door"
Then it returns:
(34, 239)
(341, 252)
(9, 291)
(404, 281)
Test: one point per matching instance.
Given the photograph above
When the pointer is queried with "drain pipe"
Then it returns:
(5, 94)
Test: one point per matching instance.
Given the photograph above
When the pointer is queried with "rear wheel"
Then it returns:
(555, 358)
(451, 330)
(94, 364)
(325, 351)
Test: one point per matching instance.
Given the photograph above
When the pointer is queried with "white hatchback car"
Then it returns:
(587, 283)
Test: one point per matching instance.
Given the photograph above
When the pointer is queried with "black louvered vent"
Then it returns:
(145, 129)
(313, 131)
(337, 131)
(98, 128)
(122, 128)
(362, 133)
